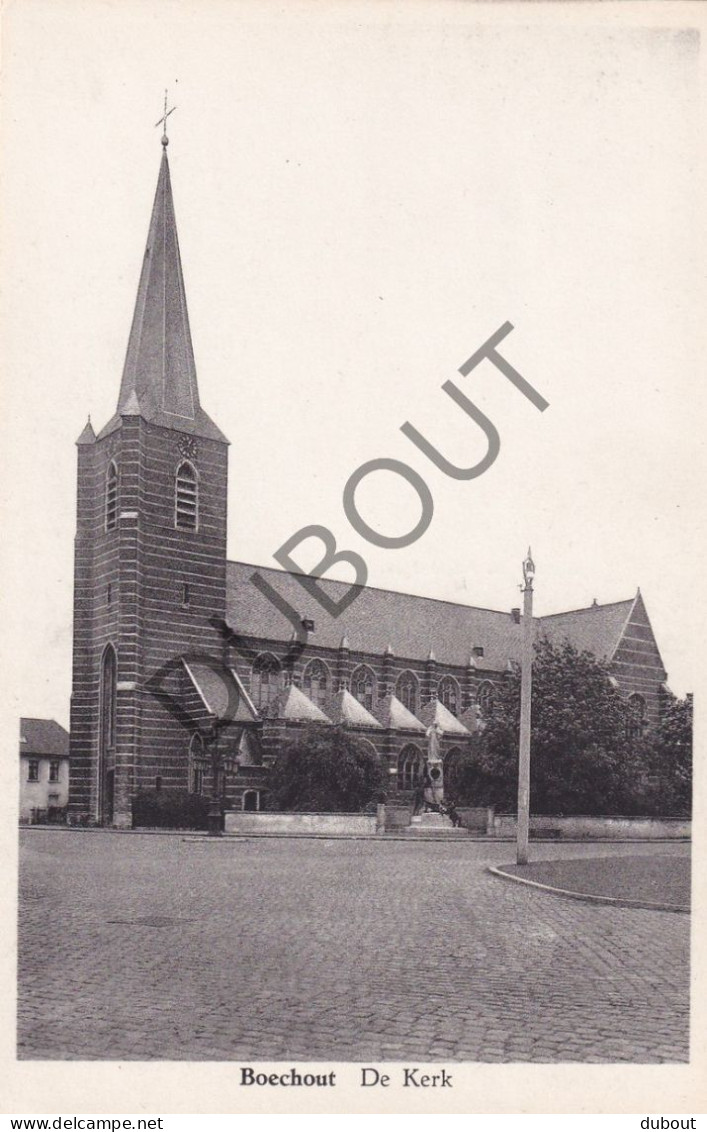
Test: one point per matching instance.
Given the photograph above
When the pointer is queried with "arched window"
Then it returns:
(406, 690)
(315, 682)
(265, 680)
(636, 720)
(363, 686)
(112, 497)
(452, 763)
(197, 763)
(186, 502)
(448, 694)
(109, 680)
(251, 800)
(367, 745)
(485, 698)
(409, 767)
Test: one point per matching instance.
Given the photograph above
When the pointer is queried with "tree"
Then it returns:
(668, 760)
(324, 770)
(581, 758)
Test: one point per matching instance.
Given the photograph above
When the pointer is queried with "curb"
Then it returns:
(588, 897)
(411, 840)
(476, 838)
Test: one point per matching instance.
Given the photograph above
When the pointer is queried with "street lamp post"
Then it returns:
(526, 681)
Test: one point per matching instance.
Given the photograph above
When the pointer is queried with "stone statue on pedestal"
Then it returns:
(429, 810)
(433, 781)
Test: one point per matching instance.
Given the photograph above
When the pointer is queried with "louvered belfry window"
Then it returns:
(187, 498)
(112, 497)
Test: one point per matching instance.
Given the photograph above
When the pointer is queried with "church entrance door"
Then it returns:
(106, 736)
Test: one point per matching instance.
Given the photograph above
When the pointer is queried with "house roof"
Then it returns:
(43, 737)
(382, 620)
(159, 377)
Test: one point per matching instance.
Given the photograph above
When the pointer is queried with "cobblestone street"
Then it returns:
(164, 947)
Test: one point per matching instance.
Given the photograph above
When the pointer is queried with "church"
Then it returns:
(177, 654)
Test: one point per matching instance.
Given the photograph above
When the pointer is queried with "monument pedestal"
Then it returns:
(428, 823)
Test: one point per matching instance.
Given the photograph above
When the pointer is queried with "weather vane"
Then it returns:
(163, 120)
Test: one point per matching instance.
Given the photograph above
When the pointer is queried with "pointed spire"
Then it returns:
(344, 642)
(159, 378)
(431, 654)
(87, 436)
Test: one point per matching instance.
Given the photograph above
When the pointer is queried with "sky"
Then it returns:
(364, 194)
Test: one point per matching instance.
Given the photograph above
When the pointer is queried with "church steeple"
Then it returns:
(159, 378)
(150, 549)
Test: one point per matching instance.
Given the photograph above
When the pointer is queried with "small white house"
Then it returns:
(44, 769)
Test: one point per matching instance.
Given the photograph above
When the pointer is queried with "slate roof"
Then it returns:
(222, 692)
(376, 620)
(43, 737)
(392, 713)
(292, 703)
(598, 628)
(435, 712)
(379, 620)
(249, 748)
(87, 436)
(345, 708)
(159, 376)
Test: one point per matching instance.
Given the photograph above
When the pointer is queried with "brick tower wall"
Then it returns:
(147, 563)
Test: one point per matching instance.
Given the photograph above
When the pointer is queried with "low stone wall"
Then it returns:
(477, 819)
(238, 821)
(541, 825)
(397, 817)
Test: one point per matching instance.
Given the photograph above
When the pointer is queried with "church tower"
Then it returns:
(150, 551)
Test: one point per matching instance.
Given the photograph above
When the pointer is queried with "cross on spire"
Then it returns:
(163, 121)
